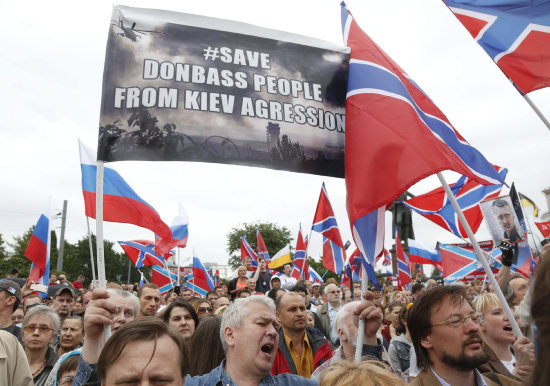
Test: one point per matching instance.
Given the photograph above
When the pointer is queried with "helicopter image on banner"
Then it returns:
(130, 32)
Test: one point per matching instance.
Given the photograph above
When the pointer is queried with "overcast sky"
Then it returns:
(52, 67)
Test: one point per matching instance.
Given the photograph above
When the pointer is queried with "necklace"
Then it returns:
(39, 369)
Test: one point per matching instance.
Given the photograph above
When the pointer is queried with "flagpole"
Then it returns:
(305, 257)
(99, 236)
(537, 111)
(179, 265)
(91, 249)
(481, 257)
(361, 327)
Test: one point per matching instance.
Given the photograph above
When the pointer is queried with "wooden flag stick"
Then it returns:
(91, 249)
(99, 235)
(480, 256)
(361, 327)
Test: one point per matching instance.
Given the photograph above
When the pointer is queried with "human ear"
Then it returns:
(229, 336)
(426, 342)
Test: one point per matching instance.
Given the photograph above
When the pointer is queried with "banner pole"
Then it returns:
(305, 257)
(91, 249)
(361, 327)
(537, 111)
(99, 236)
(481, 257)
(179, 265)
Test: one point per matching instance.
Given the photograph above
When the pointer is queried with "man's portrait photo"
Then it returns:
(502, 220)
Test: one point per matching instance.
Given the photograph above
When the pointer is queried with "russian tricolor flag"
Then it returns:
(120, 202)
(202, 281)
(38, 251)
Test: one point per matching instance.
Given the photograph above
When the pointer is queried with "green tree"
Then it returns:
(321, 270)
(275, 237)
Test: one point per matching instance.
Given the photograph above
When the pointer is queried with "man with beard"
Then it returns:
(446, 336)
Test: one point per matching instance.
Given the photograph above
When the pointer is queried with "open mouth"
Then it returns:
(268, 348)
(508, 328)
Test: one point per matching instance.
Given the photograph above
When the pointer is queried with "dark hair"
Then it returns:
(500, 203)
(69, 364)
(143, 329)
(419, 318)
(206, 346)
(401, 328)
(273, 293)
(146, 285)
(183, 304)
(244, 290)
(416, 287)
(299, 288)
(211, 293)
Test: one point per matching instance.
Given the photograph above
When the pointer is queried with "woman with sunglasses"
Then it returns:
(203, 306)
(40, 327)
(182, 316)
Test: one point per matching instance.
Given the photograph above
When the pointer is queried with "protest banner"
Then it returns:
(181, 87)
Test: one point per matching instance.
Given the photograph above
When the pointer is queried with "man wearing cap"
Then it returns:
(10, 297)
(63, 302)
(275, 282)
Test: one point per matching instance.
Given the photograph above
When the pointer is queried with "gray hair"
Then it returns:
(125, 294)
(340, 321)
(42, 310)
(235, 313)
(325, 290)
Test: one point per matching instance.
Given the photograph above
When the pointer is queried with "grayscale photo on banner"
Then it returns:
(180, 87)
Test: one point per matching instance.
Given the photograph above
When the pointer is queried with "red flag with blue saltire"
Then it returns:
(179, 236)
(142, 252)
(300, 269)
(247, 250)
(389, 118)
(462, 264)
(120, 202)
(334, 256)
(165, 279)
(404, 274)
(354, 272)
(262, 249)
(202, 281)
(514, 33)
(436, 206)
(325, 223)
(38, 251)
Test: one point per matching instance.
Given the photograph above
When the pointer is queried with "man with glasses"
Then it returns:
(327, 312)
(447, 339)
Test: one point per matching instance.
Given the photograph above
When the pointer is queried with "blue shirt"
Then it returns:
(219, 376)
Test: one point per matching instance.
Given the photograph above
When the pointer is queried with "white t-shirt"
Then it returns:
(510, 365)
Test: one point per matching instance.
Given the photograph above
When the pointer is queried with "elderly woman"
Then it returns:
(40, 327)
(238, 283)
(514, 359)
(182, 316)
(71, 335)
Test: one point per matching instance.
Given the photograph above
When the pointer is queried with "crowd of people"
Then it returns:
(266, 329)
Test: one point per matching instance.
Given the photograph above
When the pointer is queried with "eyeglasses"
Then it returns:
(34, 327)
(205, 309)
(455, 321)
(334, 292)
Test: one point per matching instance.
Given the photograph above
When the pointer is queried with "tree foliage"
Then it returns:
(321, 270)
(76, 259)
(275, 237)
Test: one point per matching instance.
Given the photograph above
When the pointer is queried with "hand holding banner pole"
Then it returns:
(361, 327)
(481, 257)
